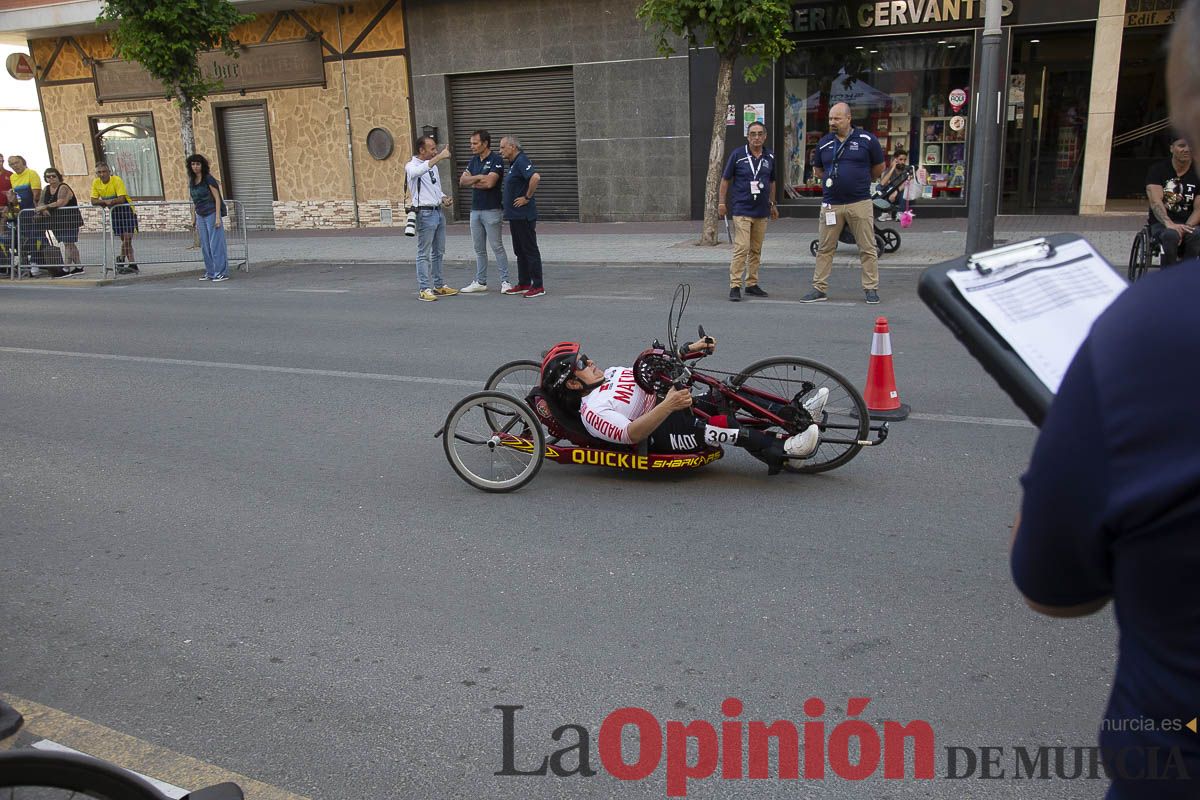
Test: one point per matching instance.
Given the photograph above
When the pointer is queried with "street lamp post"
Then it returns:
(983, 186)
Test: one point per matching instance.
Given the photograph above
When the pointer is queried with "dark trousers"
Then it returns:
(1170, 243)
(529, 258)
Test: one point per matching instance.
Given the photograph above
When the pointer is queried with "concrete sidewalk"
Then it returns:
(661, 244)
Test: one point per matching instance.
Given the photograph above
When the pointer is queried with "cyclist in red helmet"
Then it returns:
(613, 407)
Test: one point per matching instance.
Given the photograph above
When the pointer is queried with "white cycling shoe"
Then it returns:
(803, 445)
(816, 404)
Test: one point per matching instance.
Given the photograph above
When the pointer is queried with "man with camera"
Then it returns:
(428, 199)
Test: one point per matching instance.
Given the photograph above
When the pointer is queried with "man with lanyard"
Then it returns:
(848, 159)
(482, 176)
(426, 194)
(1171, 188)
(750, 172)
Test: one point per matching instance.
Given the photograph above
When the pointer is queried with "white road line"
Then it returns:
(621, 297)
(169, 789)
(319, 291)
(378, 376)
(183, 362)
(1008, 423)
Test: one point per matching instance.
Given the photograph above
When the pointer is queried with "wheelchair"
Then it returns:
(1146, 252)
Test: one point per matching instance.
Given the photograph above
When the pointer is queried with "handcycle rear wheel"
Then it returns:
(844, 421)
(517, 378)
(493, 441)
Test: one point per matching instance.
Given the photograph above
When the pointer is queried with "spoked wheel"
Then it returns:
(891, 240)
(880, 246)
(814, 247)
(494, 457)
(517, 378)
(844, 421)
(1139, 255)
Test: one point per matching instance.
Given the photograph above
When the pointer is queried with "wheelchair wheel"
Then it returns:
(1139, 255)
(891, 240)
(844, 421)
(816, 245)
(494, 457)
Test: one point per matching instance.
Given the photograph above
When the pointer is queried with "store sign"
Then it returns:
(1144, 13)
(895, 16)
(19, 66)
(958, 99)
(257, 66)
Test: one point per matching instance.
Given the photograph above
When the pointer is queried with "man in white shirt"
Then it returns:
(425, 193)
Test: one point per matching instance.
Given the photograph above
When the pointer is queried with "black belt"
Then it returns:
(429, 207)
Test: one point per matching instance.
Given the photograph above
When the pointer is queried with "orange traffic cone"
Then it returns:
(883, 400)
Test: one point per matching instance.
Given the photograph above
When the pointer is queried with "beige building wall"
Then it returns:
(306, 125)
(1102, 106)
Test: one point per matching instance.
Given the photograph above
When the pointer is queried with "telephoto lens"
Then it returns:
(410, 223)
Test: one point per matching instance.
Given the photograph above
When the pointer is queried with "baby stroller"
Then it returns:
(887, 240)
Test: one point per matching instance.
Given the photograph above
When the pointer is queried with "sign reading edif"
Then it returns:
(257, 66)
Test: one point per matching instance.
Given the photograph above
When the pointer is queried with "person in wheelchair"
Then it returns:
(897, 183)
(1171, 188)
(614, 408)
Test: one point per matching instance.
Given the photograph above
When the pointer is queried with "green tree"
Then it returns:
(167, 37)
(754, 28)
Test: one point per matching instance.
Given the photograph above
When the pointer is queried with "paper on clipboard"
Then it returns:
(1045, 306)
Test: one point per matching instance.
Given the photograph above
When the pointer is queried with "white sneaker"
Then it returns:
(885, 217)
(803, 445)
(505, 287)
(815, 404)
(473, 287)
(34, 272)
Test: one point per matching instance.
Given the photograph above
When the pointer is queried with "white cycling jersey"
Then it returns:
(608, 409)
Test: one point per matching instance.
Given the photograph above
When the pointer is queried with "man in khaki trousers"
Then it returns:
(749, 181)
(848, 159)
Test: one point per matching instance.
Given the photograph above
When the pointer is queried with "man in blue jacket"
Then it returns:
(520, 182)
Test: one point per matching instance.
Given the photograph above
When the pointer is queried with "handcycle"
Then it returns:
(497, 439)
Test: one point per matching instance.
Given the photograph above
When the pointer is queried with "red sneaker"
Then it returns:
(536, 291)
(520, 288)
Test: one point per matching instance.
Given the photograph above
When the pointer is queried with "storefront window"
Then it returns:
(912, 93)
(130, 147)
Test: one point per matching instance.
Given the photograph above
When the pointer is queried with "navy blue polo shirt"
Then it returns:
(487, 199)
(516, 183)
(742, 168)
(852, 178)
(1111, 508)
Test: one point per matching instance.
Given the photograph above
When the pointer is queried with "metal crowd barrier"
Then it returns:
(59, 242)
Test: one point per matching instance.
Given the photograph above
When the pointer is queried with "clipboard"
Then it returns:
(1031, 261)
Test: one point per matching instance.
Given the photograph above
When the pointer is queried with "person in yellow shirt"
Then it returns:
(108, 191)
(25, 182)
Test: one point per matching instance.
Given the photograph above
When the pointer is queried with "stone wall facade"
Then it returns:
(306, 125)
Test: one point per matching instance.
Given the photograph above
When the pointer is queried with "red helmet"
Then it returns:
(559, 363)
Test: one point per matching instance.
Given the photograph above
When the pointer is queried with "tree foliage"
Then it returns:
(755, 28)
(167, 36)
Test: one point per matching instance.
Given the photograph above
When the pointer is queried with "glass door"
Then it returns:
(1046, 121)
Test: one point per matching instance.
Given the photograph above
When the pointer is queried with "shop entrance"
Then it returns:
(1046, 121)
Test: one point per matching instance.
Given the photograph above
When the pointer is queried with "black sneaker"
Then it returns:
(872, 296)
(815, 296)
(735, 294)
(133, 268)
(756, 291)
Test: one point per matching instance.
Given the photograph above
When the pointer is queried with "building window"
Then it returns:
(904, 90)
(129, 145)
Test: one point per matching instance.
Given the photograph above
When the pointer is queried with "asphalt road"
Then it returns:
(227, 530)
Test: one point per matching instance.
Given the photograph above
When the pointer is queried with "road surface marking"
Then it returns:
(319, 291)
(134, 754)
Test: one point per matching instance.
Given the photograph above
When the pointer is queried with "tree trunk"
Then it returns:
(187, 133)
(716, 150)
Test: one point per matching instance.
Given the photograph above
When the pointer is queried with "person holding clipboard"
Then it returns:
(1111, 505)
(847, 160)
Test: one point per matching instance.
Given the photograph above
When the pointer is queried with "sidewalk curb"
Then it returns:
(90, 283)
(590, 264)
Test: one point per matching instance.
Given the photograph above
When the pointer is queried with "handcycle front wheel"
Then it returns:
(493, 441)
(844, 422)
